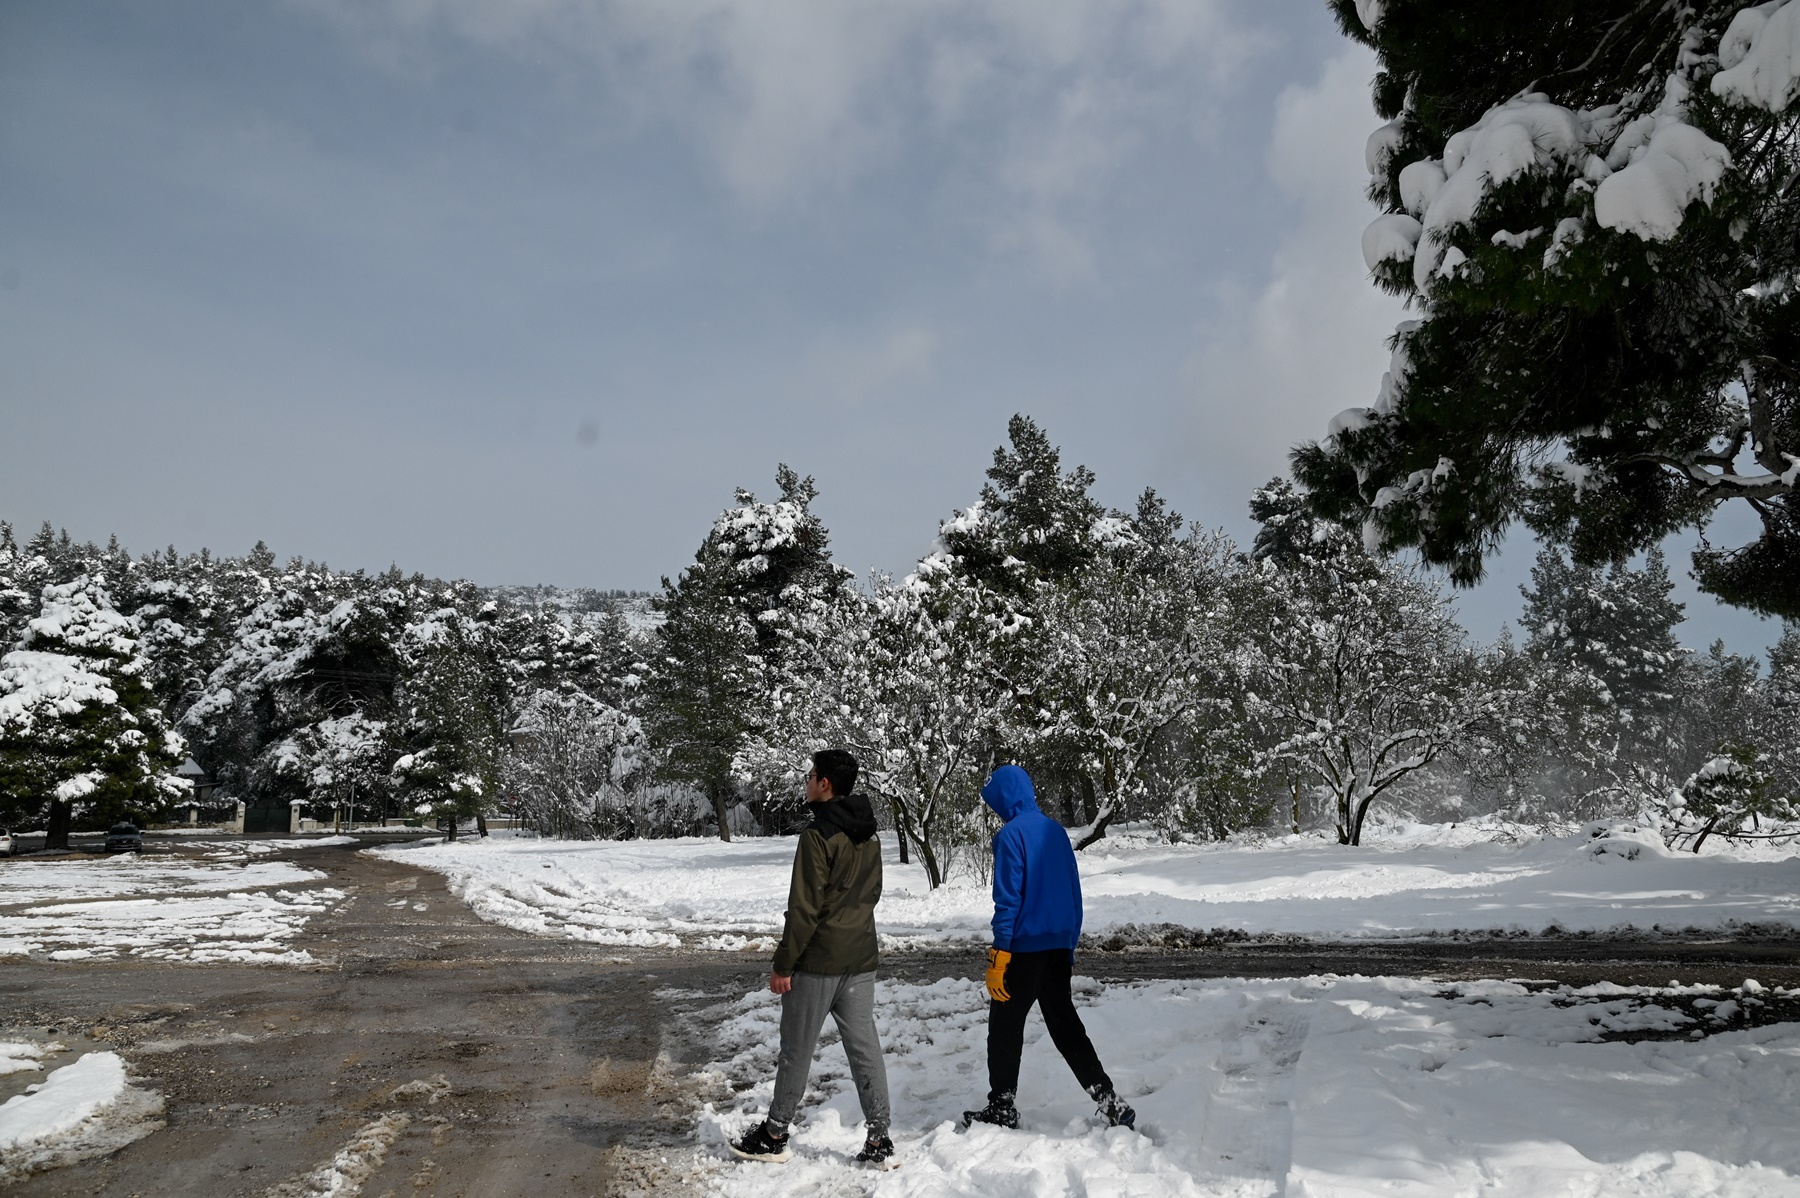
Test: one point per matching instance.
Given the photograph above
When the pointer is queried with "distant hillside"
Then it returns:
(581, 605)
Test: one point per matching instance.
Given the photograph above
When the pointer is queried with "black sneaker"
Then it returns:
(1115, 1110)
(761, 1145)
(879, 1152)
(999, 1111)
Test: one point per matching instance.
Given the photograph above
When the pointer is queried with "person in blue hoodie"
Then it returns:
(1037, 922)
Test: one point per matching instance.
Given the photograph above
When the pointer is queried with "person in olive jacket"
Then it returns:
(826, 960)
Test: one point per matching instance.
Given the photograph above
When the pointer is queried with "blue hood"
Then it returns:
(1010, 793)
(1037, 887)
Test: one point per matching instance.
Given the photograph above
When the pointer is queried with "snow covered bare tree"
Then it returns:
(909, 680)
(578, 767)
(1128, 657)
(1361, 673)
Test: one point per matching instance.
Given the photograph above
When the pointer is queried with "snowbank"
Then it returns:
(247, 928)
(116, 877)
(82, 1110)
(17, 1056)
(191, 911)
(1421, 880)
(1329, 1087)
(262, 848)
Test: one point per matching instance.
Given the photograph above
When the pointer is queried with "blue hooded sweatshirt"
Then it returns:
(1037, 891)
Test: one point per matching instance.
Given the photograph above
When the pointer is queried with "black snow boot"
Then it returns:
(879, 1152)
(762, 1145)
(999, 1111)
(1115, 1110)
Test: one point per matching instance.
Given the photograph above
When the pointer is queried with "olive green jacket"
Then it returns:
(831, 901)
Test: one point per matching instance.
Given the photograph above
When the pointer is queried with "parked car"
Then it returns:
(124, 838)
(8, 846)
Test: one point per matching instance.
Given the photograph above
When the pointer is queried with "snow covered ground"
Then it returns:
(1324, 1087)
(211, 903)
(1419, 879)
(84, 1109)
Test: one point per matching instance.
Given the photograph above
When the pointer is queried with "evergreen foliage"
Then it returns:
(1617, 623)
(81, 737)
(726, 620)
(449, 711)
(1591, 206)
(1033, 523)
(1144, 670)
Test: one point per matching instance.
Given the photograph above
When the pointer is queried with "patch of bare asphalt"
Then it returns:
(430, 1053)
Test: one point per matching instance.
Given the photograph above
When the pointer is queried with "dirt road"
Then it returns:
(502, 1064)
(434, 1054)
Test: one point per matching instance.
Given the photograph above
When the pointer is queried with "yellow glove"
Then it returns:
(996, 974)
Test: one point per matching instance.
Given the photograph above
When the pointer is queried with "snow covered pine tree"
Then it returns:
(1592, 205)
(81, 738)
(1610, 677)
(708, 683)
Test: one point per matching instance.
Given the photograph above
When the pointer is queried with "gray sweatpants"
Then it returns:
(850, 999)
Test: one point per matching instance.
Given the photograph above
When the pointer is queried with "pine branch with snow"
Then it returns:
(1592, 208)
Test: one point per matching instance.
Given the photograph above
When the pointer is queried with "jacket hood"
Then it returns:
(852, 815)
(1009, 792)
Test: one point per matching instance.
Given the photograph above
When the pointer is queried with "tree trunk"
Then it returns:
(58, 835)
(1099, 829)
(480, 823)
(898, 808)
(1362, 811)
(927, 858)
(1090, 803)
(900, 833)
(1296, 804)
(720, 811)
(1097, 820)
(1705, 832)
(451, 835)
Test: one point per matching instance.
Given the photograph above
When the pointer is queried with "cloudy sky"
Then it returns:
(520, 290)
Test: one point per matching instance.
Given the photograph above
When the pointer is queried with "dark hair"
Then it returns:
(837, 767)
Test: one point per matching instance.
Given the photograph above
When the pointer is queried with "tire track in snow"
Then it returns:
(1247, 1125)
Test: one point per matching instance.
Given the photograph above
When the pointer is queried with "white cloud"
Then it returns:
(850, 370)
(1027, 105)
(1310, 340)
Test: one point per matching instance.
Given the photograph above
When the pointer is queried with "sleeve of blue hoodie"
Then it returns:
(1009, 887)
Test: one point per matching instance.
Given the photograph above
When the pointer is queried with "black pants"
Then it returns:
(1041, 978)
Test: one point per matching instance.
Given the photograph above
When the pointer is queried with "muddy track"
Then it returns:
(483, 1062)
(542, 1065)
